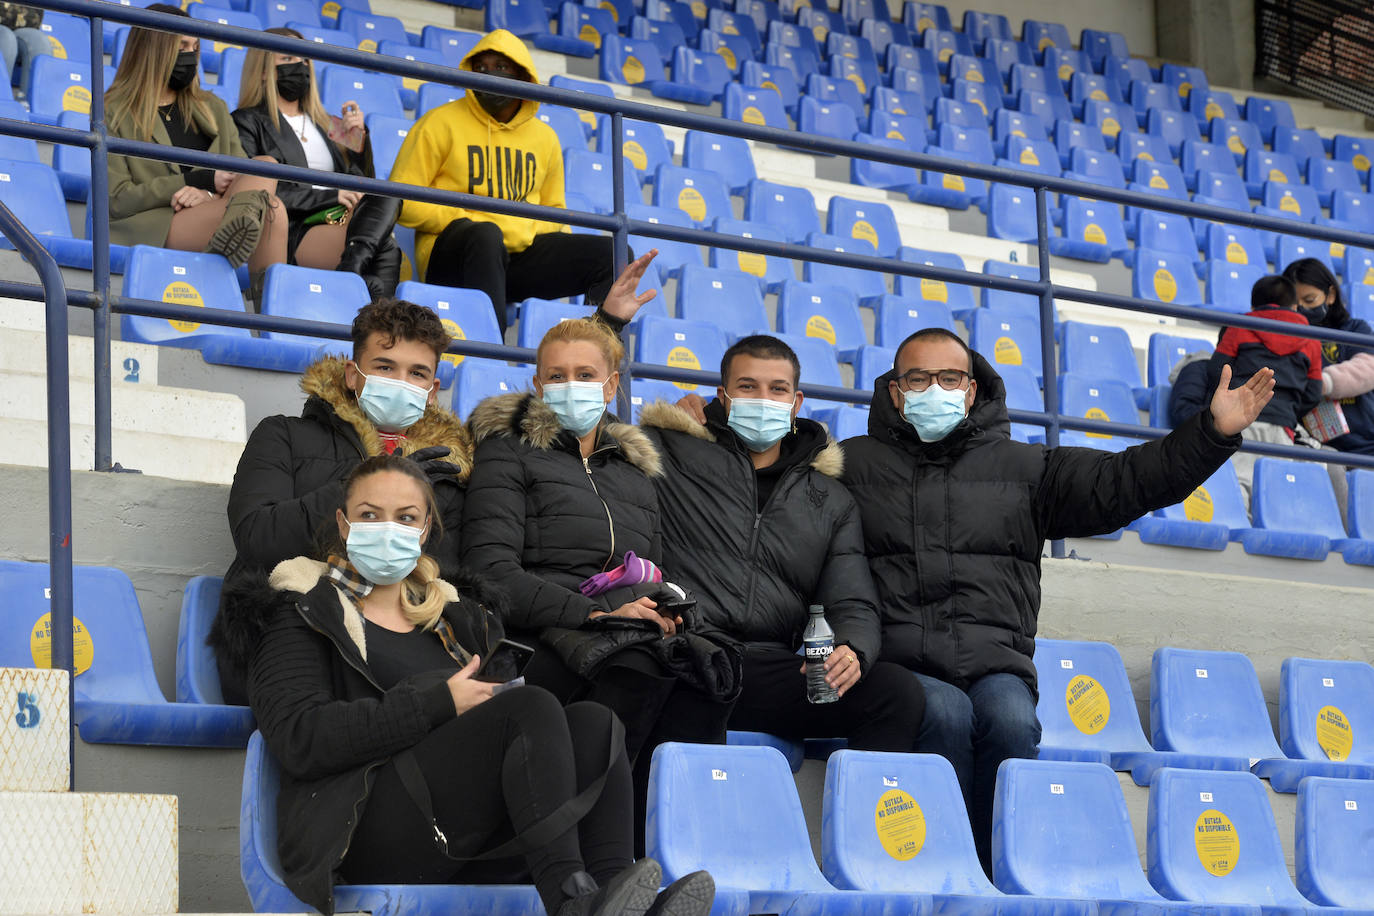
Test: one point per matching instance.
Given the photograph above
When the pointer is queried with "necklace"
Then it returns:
(166, 111)
(290, 120)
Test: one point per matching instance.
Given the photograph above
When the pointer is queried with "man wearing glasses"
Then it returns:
(492, 145)
(955, 514)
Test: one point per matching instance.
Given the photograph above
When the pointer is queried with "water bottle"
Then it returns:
(819, 642)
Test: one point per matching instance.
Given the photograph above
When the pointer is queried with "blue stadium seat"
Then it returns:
(866, 284)
(700, 194)
(1302, 145)
(1183, 79)
(882, 34)
(56, 86)
(1165, 351)
(1158, 231)
(1005, 53)
(1011, 213)
(1238, 861)
(644, 146)
(210, 51)
(454, 44)
(116, 697)
(1125, 70)
(1354, 209)
(1070, 136)
(1206, 104)
(1065, 62)
(872, 174)
(918, 17)
(387, 134)
(960, 114)
(862, 851)
(1111, 118)
(1201, 155)
(1268, 115)
(1162, 177)
(1093, 231)
(755, 106)
(432, 95)
(1098, 351)
(1032, 156)
(818, 359)
(783, 206)
(1295, 497)
(587, 24)
(679, 13)
(680, 344)
(1098, 398)
(73, 163)
(571, 129)
(1175, 127)
(699, 799)
(1061, 829)
(1040, 35)
(1089, 86)
(897, 317)
(845, 421)
(316, 295)
(1167, 277)
(370, 29)
(276, 13)
(870, 363)
(1047, 106)
(768, 270)
(638, 63)
(829, 119)
(1355, 150)
(941, 189)
(666, 35)
(197, 669)
(1145, 97)
(466, 314)
(1262, 166)
(827, 312)
(857, 50)
(1290, 248)
(1326, 714)
(1358, 266)
(913, 60)
(1007, 123)
(1335, 841)
(733, 50)
(736, 25)
(1361, 509)
(1030, 78)
(1222, 189)
(790, 35)
(529, 19)
(856, 11)
(1239, 136)
(643, 392)
(821, 21)
(835, 90)
(1008, 302)
(673, 255)
(622, 11)
(956, 297)
(1087, 164)
(945, 44)
(975, 69)
(591, 174)
(870, 221)
(729, 299)
(1229, 284)
(32, 191)
(478, 379)
(781, 80)
(793, 751)
(375, 93)
(538, 315)
(729, 157)
(1327, 176)
(798, 60)
(22, 148)
(180, 278)
(262, 872)
(1005, 339)
(1283, 199)
(1023, 393)
(1207, 519)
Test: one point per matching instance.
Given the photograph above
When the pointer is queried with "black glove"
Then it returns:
(435, 470)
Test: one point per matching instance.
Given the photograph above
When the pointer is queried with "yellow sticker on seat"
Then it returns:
(769, 84)
(1089, 706)
(1213, 110)
(699, 9)
(610, 8)
(858, 80)
(934, 290)
(1028, 156)
(730, 29)
(1337, 250)
(946, 54)
(455, 332)
(1111, 127)
(819, 32)
(1097, 413)
(753, 263)
(1006, 352)
(752, 115)
(1236, 254)
(683, 358)
(1235, 144)
(179, 292)
(1066, 72)
(925, 22)
(1159, 182)
(974, 75)
(1278, 175)
(690, 201)
(954, 183)
(1166, 287)
(632, 71)
(1099, 95)
(78, 99)
(368, 44)
(40, 644)
(820, 326)
(895, 134)
(1368, 277)
(1333, 733)
(1045, 42)
(901, 825)
(863, 229)
(1218, 846)
(1095, 234)
(1198, 506)
(331, 10)
(1184, 89)
(589, 32)
(1361, 162)
(635, 153)
(728, 56)
(1289, 204)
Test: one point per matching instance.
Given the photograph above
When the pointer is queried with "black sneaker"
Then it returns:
(690, 895)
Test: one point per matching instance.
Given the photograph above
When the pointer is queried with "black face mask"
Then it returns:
(184, 71)
(492, 102)
(1315, 316)
(293, 80)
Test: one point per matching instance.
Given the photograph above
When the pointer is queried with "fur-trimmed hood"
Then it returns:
(325, 381)
(828, 459)
(525, 416)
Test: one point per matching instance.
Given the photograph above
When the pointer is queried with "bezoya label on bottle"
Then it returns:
(820, 649)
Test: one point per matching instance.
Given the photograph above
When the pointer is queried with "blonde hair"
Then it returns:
(149, 57)
(258, 84)
(591, 330)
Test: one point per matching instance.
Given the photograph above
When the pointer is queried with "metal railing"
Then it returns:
(104, 304)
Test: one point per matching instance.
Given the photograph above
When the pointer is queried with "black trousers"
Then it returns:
(472, 254)
(654, 705)
(492, 772)
(882, 712)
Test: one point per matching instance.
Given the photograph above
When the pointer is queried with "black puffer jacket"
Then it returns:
(289, 482)
(326, 720)
(539, 519)
(755, 573)
(954, 529)
(260, 137)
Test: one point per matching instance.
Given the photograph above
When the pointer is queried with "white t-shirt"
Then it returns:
(317, 155)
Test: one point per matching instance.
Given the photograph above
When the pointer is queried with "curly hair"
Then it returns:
(397, 319)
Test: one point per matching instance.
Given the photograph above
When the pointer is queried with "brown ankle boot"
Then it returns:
(240, 229)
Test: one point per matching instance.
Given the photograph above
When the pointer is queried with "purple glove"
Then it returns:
(633, 571)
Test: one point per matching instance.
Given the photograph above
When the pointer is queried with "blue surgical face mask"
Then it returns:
(933, 412)
(759, 422)
(392, 404)
(384, 552)
(578, 405)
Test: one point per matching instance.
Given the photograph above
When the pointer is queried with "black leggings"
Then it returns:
(492, 772)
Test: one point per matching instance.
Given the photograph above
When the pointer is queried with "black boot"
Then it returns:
(369, 227)
(630, 893)
(384, 272)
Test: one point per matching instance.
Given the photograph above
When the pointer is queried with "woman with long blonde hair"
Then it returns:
(280, 116)
(156, 97)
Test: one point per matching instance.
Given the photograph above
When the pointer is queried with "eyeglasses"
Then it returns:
(948, 379)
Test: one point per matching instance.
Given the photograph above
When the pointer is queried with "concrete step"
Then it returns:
(23, 348)
(34, 734)
(88, 853)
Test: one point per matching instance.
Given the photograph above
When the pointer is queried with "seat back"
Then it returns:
(667, 35)
(387, 134)
(827, 312)
(1218, 499)
(732, 50)
(1183, 79)
(921, 16)
(1360, 483)
(180, 278)
(1240, 245)
(454, 44)
(1098, 44)
(829, 119)
(1229, 285)
(1096, 398)
(702, 804)
(897, 317)
(1295, 496)
(1023, 393)
(1213, 840)
(700, 194)
(897, 822)
(589, 173)
(1166, 276)
(1335, 841)
(1268, 114)
(57, 85)
(315, 295)
(729, 299)
(628, 61)
(259, 864)
(375, 93)
(755, 106)
(110, 643)
(680, 344)
(371, 29)
(728, 157)
(1061, 829)
(1298, 200)
(643, 145)
(1011, 213)
(1165, 350)
(32, 192)
(778, 78)
(706, 70)
(1101, 351)
(672, 254)
(1086, 705)
(466, 314)
(1208, 703)
(1005, 339)
(956, 297)
(526, 18)
(999, 300)
(538, 315)
(817, 357)
(769, 270)
(1090, 221)
(866, 220)
(791, 208)
(197, 667)
(1326, 710)
(866, 284)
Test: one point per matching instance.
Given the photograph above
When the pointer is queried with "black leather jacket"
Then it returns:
(260, 137)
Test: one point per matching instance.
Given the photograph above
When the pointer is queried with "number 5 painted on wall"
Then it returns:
(27, 714)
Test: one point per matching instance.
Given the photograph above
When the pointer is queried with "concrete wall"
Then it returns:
(1216, 35)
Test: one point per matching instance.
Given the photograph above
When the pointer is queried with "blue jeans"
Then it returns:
(32, 43)
(975, 732)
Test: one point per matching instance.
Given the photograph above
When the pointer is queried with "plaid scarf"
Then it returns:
(342, 574)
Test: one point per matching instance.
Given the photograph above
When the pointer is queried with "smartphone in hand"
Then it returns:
(351, 139)
(506, 662)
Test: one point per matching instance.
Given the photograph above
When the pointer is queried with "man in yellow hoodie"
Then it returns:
(493, 145)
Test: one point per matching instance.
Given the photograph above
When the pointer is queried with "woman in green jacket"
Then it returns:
(156, 97)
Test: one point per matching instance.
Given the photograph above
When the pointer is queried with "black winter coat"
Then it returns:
(328, 723)
(260, 137)
(289, 482)
(539, 519)
(954, 529)
(755, 573)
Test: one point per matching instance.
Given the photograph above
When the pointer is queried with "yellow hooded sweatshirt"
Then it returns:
(459, 147)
